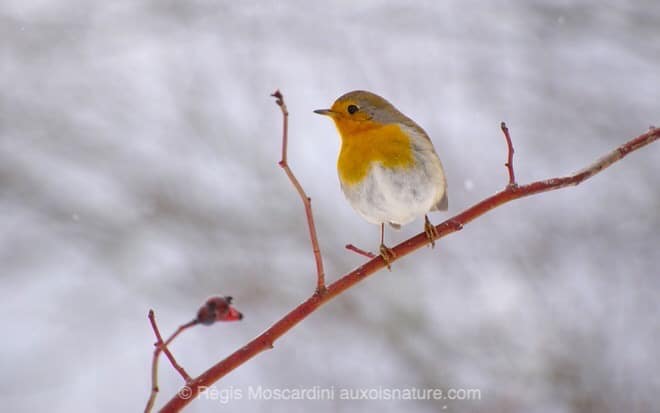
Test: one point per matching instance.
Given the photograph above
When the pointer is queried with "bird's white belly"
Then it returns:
(397, 195)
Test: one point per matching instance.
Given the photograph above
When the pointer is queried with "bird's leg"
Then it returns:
(430, 231)
(385, 253)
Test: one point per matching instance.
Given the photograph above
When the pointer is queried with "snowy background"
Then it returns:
(138, 169)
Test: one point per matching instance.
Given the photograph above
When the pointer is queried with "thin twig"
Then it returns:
(307, 201)
(360, 251)
(162, 346)
(509, 161)
(266, 339)
(154, 370)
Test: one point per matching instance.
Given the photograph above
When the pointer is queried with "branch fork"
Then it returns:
(214, 309)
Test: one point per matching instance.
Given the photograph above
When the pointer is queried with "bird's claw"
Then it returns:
(387, 254)
(430, 231)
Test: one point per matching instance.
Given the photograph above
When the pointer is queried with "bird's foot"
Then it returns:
(430, 231)
(387, 254)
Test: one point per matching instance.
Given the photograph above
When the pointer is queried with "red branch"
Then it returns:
(307, 201)
(265, 340)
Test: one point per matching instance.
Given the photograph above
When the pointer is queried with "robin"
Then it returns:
(388, 168)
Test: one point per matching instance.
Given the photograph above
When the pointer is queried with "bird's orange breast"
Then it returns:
(366, 142)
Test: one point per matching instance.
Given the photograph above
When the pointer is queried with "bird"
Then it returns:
(388, 168)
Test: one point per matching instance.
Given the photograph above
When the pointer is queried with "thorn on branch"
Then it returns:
(454, 224)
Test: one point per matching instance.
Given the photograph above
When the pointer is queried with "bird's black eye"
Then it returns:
(352, 109)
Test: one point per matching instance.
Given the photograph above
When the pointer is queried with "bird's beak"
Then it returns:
(324, 112)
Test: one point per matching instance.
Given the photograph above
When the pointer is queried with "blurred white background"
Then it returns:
(138, 169)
